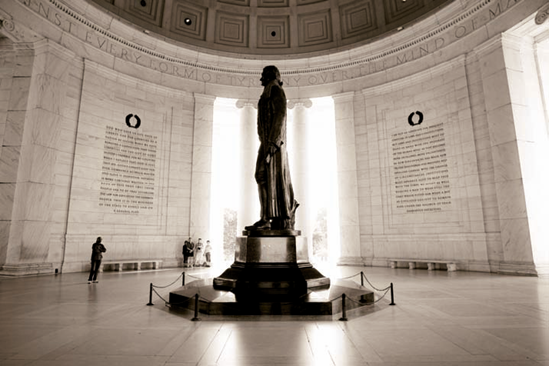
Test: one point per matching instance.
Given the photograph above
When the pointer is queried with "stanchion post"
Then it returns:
(392, 296)
(343, 310)
(150, 295)
(361, 278)
(196, 318)
(182, 278)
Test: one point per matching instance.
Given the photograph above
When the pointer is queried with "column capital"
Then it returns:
(542, 15)
(241, 103)
(343, 97)
(307, 103)
(205, 98)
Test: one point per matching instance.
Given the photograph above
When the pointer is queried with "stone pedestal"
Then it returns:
(271, 275)
(270, 265)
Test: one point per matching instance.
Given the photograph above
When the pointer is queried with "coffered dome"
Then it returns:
(273, 28)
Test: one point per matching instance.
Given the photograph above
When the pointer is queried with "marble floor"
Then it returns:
(440, 318)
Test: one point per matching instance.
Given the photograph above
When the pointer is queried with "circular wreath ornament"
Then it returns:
(128, 121)
(411, 118)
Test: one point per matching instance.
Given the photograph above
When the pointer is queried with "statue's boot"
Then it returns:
(260, 225)
(264, 223)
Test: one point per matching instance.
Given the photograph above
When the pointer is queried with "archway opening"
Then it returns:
(322, 183)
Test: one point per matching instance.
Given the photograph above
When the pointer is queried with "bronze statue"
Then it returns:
(272, 171)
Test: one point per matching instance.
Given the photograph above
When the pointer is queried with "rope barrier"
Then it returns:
(198, 278)
(351, 276)
(377, 289)
(180, 276)
(343, 297)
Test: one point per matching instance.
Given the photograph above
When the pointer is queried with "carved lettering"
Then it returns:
(460, 31)
(43, 11)
(128, 171)
(57, 19)
(439, 42)
(496, 12)
(420, 170)
(403, 59)
(484, 15)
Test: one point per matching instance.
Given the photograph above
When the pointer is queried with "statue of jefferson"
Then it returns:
(272, 171)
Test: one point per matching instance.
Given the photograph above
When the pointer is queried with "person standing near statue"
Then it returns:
(208, 254)
(198, 258)
(190, 249)
(97, 255)
(272, 171)
(187, 251)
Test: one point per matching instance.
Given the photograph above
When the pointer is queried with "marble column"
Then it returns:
(300, 166)
(201, 179)
(518, 139)
(349, 238)
(30, 163)
(248, 208)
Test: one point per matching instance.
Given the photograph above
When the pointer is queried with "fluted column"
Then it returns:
(518, 140)
(349, 237)
(248, 210)
(201, 166)
(300, 168)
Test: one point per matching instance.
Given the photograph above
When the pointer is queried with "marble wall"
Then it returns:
(464, 184)
(132, 186)
(32, 146)
(418, 184)
(9, 155)
(59, 113)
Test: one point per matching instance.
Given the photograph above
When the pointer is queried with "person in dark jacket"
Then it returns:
(188, 252)
(97, 255)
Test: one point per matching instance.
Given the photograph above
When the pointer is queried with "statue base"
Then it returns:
(271, 275)
(317, 302)
(270, 265)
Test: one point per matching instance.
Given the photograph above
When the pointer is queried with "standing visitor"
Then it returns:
(97, 255)
(208, 254)
(199, 250)
(186, 253)
(190, 249)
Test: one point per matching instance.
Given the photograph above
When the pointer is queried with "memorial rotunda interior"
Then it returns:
(107, 123)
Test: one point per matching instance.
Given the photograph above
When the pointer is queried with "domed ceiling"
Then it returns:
(271, 27)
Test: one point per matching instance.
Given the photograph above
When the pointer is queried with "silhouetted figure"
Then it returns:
(188, 249)
(272, 171)
(97, 255)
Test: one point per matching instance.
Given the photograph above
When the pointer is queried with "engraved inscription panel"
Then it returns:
(421, 180)
(128, 171)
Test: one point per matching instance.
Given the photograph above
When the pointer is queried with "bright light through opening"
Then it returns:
(323, 203)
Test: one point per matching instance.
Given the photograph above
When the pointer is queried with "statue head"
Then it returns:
(269, 74)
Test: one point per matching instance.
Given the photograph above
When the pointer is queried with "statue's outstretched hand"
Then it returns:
(271, 150)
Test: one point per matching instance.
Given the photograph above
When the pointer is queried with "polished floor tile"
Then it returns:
(440, 318)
